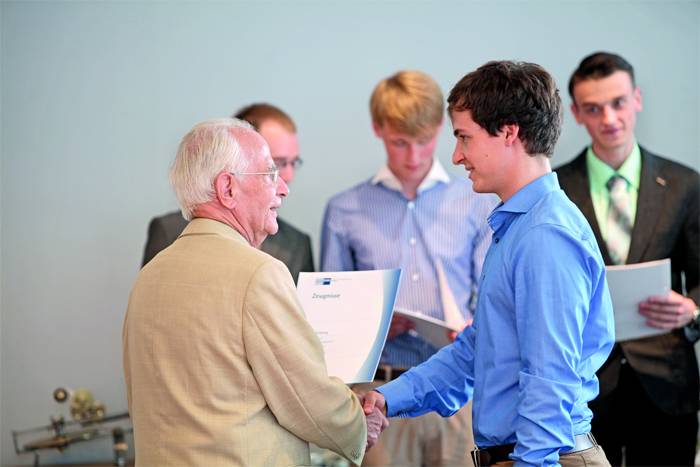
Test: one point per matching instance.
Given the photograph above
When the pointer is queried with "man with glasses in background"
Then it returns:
(289, 245)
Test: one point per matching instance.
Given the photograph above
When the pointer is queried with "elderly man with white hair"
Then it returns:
(221, 366)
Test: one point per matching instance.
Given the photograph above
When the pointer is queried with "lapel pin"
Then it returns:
(661, 181)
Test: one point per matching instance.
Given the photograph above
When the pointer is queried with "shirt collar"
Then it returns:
(437, 174)
(524, 199)
(599, 172)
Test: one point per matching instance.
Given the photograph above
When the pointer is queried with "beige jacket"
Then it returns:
(222, 368)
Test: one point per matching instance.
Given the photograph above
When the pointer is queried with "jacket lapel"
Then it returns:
(579, 192)
(652, 189)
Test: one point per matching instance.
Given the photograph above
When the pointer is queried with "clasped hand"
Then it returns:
(375, 415)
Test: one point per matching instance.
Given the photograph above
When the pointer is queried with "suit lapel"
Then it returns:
(652, 188)
(579, 192)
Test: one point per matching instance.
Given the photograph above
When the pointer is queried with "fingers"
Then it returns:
(665, 316)
(665, 320)
(385, 422)
(400, 325)
(371, 400)
(667, 312)
(452, 335)
(403, 321)
(376, 423)
(672, 296)
(368, 407)
(662, 307)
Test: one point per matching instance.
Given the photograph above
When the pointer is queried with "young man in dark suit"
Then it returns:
(289, 245)
(642, 207)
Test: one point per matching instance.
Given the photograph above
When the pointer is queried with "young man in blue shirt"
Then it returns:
(543, 323)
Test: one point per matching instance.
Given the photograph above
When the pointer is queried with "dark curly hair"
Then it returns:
(505, 93)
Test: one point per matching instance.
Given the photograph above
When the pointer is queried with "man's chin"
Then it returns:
(613, 141)
(272, 228)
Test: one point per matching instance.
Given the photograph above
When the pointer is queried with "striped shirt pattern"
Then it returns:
(373, 226)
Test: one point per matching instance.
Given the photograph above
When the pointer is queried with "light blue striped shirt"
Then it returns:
(374, 226)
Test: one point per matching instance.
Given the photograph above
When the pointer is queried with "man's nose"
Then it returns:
(457, 156)
(413, 152)
(287, 173)
(282, 188)
(609, 115)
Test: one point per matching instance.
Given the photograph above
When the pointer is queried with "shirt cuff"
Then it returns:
(396, 403)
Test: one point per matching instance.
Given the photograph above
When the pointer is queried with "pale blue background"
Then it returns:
(96, 95)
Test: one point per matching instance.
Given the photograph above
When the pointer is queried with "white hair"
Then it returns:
(208, 149)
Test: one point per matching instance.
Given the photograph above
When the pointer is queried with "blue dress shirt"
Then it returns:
(543, 326)
(374, 226)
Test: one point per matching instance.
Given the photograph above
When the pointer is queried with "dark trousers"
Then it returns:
(628, 418)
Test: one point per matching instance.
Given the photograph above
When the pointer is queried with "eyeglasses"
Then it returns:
(273, 173)
(282, 163)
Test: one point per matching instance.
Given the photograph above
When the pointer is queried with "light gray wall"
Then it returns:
(95, 97)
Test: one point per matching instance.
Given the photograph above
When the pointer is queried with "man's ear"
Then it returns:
(378, 130)
(510, 133)
(575, 112)
(637, 93)
(225, 189)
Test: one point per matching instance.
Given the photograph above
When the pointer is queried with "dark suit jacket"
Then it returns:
(666, 226)
(289, 245)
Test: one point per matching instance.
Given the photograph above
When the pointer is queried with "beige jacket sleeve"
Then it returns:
(287, 360)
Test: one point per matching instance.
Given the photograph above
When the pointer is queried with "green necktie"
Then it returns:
(619, 227)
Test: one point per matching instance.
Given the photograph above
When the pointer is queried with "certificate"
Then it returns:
(630, 284)
(431, 329)
(350, 312)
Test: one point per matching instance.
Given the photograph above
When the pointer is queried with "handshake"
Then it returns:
(374, 406)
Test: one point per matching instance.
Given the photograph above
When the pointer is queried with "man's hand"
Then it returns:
(670, 311)
(399, 325)
(374, 406)
(376, 423)
(452, 335)
(372, 400)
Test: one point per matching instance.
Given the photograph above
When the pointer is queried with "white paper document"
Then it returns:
(351, 313)
(431, 329)
(633, 283)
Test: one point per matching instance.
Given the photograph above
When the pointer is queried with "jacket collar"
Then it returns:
(204, 226)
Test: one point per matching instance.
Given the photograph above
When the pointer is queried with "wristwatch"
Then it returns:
(692, 331)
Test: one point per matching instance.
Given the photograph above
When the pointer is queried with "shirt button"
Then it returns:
(414, 277)
(412, 240)
(623, 361)
(411, 205)
(496, 239)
